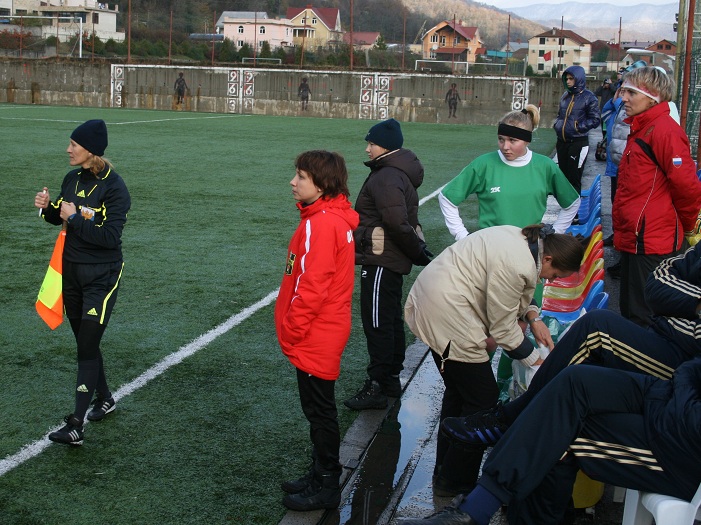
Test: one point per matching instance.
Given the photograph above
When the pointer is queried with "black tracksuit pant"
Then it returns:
(381, 313)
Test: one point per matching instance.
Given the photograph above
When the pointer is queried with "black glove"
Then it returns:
(424, 258)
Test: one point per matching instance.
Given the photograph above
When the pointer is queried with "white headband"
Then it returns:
(628, 85)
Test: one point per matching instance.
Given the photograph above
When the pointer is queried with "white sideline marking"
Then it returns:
(34, 449)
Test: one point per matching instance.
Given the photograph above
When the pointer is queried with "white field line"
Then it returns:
(33, 449)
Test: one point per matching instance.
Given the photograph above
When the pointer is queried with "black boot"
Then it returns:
(368, 397)
(324, 492)
(298, 485)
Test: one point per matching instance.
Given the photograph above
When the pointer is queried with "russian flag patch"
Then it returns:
(677, 161)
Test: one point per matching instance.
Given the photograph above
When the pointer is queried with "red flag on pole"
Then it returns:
(547, 56)
(49, 303)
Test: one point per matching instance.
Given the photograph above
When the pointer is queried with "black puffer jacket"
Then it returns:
(388, 205)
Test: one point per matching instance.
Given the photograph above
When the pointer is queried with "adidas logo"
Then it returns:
(81, 193)
(92, 311)
(83, 389)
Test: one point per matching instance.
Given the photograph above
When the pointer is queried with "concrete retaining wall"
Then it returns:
(334, 94)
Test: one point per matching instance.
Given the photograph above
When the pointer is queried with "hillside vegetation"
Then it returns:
(152, 17)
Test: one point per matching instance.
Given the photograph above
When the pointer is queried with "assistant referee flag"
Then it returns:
(49, 303)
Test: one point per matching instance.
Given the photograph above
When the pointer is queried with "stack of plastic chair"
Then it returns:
(589, 199)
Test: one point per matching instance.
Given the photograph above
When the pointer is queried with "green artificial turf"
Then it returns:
(210, 439)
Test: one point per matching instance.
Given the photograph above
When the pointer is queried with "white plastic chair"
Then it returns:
(641, 507)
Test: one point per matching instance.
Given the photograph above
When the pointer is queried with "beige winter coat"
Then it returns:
(475, 288)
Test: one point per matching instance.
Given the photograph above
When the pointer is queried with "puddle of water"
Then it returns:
(392, 457)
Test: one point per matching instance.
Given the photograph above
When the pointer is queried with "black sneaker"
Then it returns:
(370, 396)
(71, 434)
(392, 387)
(483, 428)
(450, 515)
(101, 407)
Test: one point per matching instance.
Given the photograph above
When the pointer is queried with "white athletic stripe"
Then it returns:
(31, 450)
(376, 298)
(34, 449)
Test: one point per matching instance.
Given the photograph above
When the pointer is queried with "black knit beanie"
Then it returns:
(387, 134)
(92, 135)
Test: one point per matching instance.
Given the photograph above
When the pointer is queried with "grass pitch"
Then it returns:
(209, 439)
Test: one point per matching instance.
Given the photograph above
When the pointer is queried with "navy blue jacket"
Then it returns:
(673, 291)
(579, 109)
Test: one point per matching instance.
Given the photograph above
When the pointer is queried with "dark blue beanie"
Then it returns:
(92, 135)
(387, 134)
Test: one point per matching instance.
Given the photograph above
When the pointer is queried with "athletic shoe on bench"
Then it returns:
(482, 428)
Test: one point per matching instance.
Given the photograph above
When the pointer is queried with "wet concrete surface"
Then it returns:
(389, 454)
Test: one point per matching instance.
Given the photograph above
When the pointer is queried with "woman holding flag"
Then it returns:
(92, 206)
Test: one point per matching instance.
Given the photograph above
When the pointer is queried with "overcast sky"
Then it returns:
(505, 4)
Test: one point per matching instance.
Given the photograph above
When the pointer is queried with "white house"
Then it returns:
(70, 15)
(558, 48)
(254, 28)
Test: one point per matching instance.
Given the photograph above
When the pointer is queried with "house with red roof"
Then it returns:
(362, 40)
(315, 26)
(558, 48)
(452, 40)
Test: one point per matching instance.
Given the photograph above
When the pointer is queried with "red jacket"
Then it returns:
(313, 308)
(654, 206)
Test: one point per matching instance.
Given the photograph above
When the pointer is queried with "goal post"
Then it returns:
(441, 66)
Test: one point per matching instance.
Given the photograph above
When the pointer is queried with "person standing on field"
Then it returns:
(387, 243)
(452, 97)
(180, 86)
(313, 316)
(93, 204)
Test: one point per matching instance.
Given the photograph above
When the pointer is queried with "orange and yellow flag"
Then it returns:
(49, 303)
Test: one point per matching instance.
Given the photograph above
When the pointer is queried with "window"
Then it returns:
(456, 40)
(668, 46)
(434, 38)
(561, 41)
(261, 30)
(541, 66)
(561, 54)
(304, 20)
(240, 30)
(541, 52)
(96, 18)
(239, 43)
(542, 41)
(313, 21)
(442, 40)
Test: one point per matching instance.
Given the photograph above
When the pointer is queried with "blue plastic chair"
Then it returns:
(596, 182)
(586, 229)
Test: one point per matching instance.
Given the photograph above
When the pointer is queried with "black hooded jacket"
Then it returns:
(389, 234)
